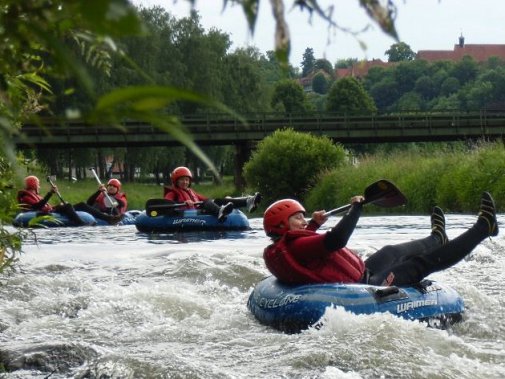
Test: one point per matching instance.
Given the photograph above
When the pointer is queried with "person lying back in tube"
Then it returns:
(181, 192)
(29, 199)
(107, 203)
(300, 255)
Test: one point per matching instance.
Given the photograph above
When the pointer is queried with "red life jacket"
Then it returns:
(101, 202)
(28, 199)
(321, 266)
(180, 195)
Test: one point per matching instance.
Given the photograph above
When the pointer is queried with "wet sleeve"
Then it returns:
(42, 202)
(313, 225)
(339, 235)
(92, 199)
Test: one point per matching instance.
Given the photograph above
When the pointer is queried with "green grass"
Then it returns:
(451, 179)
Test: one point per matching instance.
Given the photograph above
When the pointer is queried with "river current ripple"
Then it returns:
(110, 302)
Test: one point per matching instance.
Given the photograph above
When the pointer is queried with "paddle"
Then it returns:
(110, 203)
(57, 192)
(382, 193)
(159, 207)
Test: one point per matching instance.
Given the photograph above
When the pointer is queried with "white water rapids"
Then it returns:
(109, 302)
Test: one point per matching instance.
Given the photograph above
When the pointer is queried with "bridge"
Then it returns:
(221, 129)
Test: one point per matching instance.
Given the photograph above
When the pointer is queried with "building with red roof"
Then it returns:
(479, 52)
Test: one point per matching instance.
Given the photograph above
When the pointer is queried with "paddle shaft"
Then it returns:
(158, 207)
(338, 210)
(57, 192)
(383, 193)
(173, 205)
(342, 209)
(112, 202)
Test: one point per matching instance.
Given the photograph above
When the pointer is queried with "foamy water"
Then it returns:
(109, 302)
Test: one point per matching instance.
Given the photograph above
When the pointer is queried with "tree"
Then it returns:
(497, 79)
(289, 94)
(347, 95)
(308, 62)
(465, 70)
(409, 102)
(449, 86)
(479, 95)
(425, 87)
(320, 83)
(272, 70)
(407, 73)
(346, 63)
(325, 66)
(243, 86)
(446, 103)
(399, 52)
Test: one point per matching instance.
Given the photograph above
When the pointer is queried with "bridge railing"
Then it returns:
(215, 128)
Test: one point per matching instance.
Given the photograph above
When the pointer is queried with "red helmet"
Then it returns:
(31, 182)
(114, 182)
(275, 218)
(179, 172)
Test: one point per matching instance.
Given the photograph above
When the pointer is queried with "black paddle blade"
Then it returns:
(160, 207)
(384, 194)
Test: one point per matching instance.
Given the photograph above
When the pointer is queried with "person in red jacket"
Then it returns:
(181, 192)
(107, 203)
(300, 255)
(30, 199)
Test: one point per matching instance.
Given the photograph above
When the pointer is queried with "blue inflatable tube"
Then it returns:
(52, 220)
(128, 219)
(190, 220)
(292, 309)
(23, 219)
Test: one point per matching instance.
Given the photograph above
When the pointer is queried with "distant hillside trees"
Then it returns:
(463, 85)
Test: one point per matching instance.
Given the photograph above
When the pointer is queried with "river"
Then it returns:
(110, 302)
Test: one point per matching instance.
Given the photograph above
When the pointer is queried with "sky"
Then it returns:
(422, 24)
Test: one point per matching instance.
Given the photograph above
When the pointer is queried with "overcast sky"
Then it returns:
(422, 24)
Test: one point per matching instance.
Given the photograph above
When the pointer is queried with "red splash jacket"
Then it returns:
(101, 202)
(300, 257)
(34, 202)
(179, 195)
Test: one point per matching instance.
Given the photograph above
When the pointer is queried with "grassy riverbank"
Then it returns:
(452, 176)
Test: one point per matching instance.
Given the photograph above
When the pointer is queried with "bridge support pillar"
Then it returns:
(242, 154)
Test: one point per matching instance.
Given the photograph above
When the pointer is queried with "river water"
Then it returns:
(109, 302)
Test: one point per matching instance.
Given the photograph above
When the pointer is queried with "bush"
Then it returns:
(289, 163)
